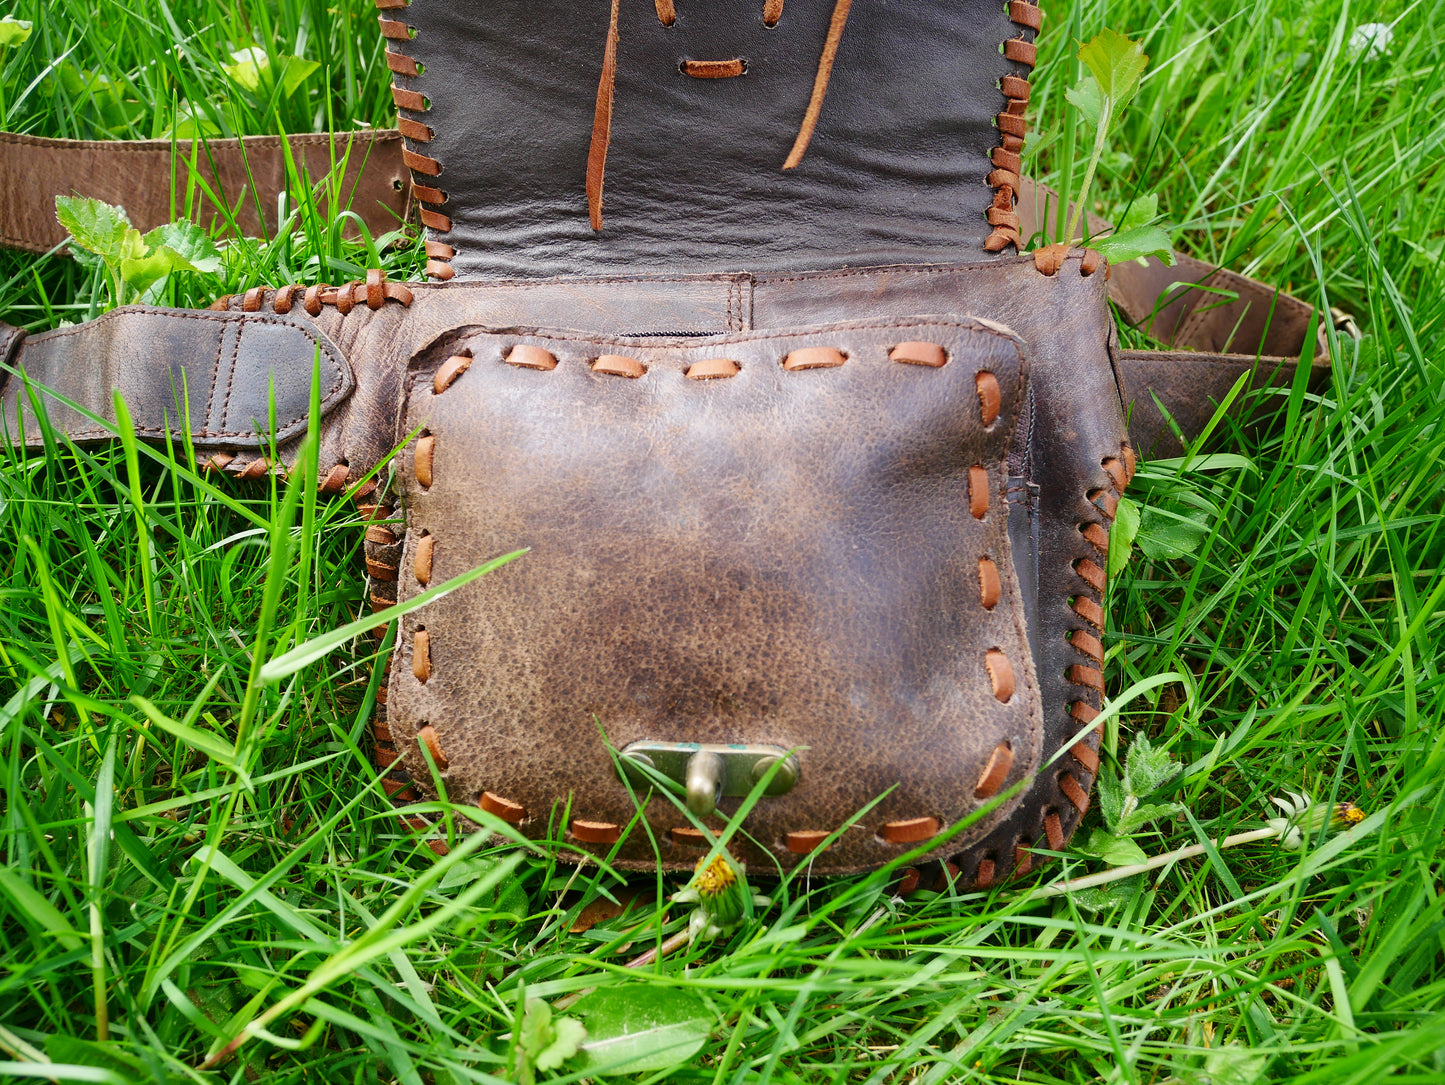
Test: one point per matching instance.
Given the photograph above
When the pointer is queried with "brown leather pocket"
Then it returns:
(793, 538)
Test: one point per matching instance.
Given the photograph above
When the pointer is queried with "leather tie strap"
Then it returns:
(218, 370)
(150, 178)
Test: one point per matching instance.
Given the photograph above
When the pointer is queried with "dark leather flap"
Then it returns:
(216, 370)
(804, 554)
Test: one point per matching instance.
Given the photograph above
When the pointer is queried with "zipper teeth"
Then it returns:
(691, 334)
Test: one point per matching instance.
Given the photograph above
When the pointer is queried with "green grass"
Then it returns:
(174, 873)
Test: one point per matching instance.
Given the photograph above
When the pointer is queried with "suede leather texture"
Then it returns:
(895, 171)
(775, 557)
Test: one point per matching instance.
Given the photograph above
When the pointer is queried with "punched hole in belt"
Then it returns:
(918, 353)
(380, 570)
(1073, 792)
(1089, 610)
(380, 536)
(427, 736)
(619, 365)
(978, 492)
(984, 878)
(421, 564)
(528, 356)
(1106, 502)
(910, 830)
(1000, 674)
(805, 841)
(714, 69)
(596, 832)
(814, 358)
(1116, 471)
(335, 480)
(995, 772)
(1097, 535)
(1086, 757)
(505, 809)
(990, 398)
(450, 370)
(1090, 573)
(1088, 644)
(422, 459)
(712, 369)
(989, 588)
(1054, 830)
(421, 655)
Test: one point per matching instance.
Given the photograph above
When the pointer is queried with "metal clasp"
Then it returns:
(705, 772)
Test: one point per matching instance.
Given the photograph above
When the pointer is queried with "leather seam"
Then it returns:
(231, 377)
(891, 269)
(752, 337)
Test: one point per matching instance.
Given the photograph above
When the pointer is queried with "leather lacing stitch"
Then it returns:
(374, 292)
(439, 253)
(1007, 160)
(995, 662)
(702, 69)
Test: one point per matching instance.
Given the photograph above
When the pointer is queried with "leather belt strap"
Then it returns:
(213, 369)
(1217, 324)
(149, 178)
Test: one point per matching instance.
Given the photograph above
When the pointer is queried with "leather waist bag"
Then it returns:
(814, 471)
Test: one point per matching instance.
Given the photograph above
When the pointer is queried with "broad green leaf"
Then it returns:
(13, 31)
(1104, 897)
(191, 122)
(1116, 63)
(1140, 212)
(567, 1036)
(638, 1029)
(1166, 536)
(546, 1042)
(1111, 796)
(1233, 1064)
(1086, 98)
(97, 227)
(141, 273)
(294, 72)
(1113, 849)
(259, 72)
(1125, 245)
(1135, 819)
(1148, 767)
(1121, 535)
(190, 242)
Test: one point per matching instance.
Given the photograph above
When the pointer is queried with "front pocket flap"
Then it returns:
(795, 539)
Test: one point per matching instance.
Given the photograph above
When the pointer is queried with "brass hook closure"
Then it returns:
(704, 781)
(706, 772)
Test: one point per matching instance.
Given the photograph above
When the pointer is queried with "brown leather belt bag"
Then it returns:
(816, 475)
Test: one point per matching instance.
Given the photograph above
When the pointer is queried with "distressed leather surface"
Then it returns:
(216, 370)
(895, 171)
(150, 178)
(780, 557)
